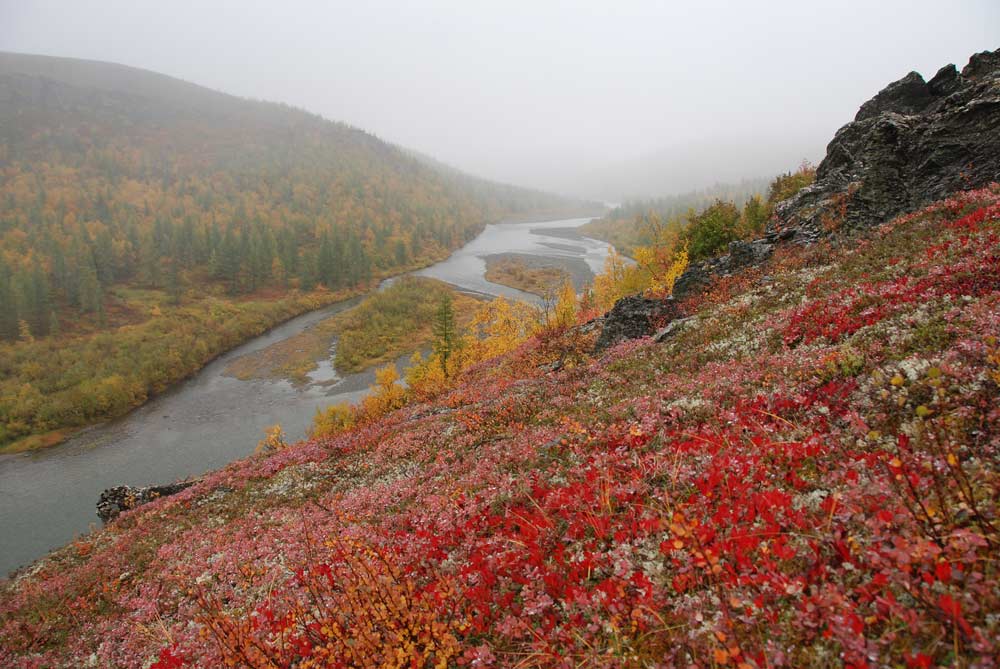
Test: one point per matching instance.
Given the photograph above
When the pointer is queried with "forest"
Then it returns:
(116, 182)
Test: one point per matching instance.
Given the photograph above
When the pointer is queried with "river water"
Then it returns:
(47, 497)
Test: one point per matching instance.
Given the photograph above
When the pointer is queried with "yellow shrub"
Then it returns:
(664, 265)
(333, 420)
(618, 280)
(274, 440)
(566, 306)
(386, 395)
(608, 284)
(425, 378)
(500, 326)
(656, 269)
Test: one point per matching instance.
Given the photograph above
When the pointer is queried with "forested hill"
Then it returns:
(111, 174)
(148, 224)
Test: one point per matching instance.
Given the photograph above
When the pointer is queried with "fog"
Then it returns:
(606, 100)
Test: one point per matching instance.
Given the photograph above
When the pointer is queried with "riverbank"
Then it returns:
(386, 325)
(55, 386)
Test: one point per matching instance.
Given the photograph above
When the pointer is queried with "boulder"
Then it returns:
(636, 316)
(747, 254)
(633, 317)
(693, 280)
(114, 501)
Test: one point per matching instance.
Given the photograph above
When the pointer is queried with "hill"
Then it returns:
(800, 468)
(148, 224)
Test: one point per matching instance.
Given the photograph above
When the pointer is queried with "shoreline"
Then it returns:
(207, 421)
(59, 435)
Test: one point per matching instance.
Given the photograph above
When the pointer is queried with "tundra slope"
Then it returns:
(805, 472)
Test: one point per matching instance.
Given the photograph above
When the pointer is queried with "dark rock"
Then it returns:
(910, 145)
(742, 254)
(693, 280)
(747, 254)
(945, 82)
(909, 95)
(121, 498)
(636, 316)
(982, 64)
(633, 317)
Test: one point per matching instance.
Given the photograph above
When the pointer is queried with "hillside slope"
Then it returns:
(804, 474)
(123, 153)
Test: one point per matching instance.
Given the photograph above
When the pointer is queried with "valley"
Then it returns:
(147, 225)
(218, 415)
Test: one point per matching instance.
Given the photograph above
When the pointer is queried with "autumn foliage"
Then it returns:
(352, 608)
(124, 205)
(804, 474)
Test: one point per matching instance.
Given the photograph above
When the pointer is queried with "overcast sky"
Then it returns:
(536, 93)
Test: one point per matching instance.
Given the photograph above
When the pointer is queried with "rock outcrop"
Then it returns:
(915, 142)
(121, 498)
(632, 317)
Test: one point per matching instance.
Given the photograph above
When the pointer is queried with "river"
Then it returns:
(47, 497)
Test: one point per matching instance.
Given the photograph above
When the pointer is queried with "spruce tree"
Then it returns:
(445, 332)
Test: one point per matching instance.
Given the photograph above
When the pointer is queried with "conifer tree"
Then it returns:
(445, 334)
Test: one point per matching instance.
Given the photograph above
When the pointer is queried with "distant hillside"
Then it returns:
(115, 147)
(126, 196)
(623, 226)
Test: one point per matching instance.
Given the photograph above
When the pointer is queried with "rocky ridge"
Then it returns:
(913, 143)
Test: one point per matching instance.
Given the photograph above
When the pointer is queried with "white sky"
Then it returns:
(536, 93)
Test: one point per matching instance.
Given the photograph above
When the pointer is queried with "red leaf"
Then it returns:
(919, 661)
(950, 606)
